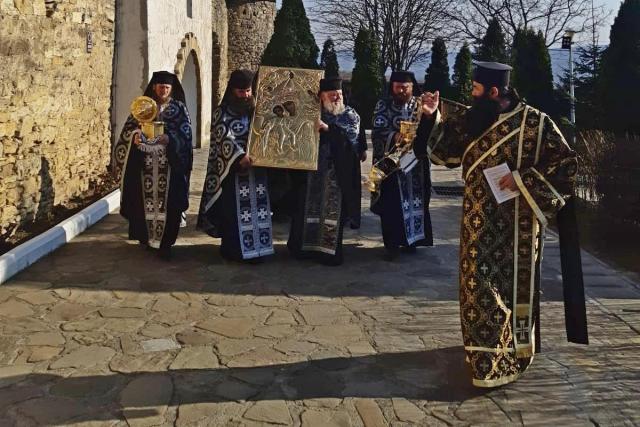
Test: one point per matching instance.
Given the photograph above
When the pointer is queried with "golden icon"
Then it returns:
(283, 131)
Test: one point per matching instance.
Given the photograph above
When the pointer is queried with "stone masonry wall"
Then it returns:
(54, 103)
(250, 29)
(219, 54)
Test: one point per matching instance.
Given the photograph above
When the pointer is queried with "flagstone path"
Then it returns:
(103, 333)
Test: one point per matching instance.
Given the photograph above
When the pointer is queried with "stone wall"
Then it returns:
(250, 29)
(54, 103)
(220, 48)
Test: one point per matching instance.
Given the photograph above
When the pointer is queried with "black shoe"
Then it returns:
(164, 254)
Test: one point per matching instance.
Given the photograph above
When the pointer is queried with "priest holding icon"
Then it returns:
(235, 205)
(329, 198)
(153, 160)
(519, 172)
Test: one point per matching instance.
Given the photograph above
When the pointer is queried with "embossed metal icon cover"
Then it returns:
(283, 133)
(144, 109)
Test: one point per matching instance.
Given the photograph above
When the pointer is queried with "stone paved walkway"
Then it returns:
(103, 333)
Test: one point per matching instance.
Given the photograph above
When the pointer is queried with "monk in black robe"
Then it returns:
(403, 200)
(329, 198)
(235, 199)
(154, 173)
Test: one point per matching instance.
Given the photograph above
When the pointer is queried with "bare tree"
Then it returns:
(404, 28)
(551, 17)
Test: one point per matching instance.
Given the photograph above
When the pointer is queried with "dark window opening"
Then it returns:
(190, 8)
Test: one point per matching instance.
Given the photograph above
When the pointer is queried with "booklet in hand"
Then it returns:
(494, 175)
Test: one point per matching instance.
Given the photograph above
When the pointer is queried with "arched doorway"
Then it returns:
(188, 71)
(190, 83)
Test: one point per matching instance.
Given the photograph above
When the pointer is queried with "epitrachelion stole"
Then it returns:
(283, 133)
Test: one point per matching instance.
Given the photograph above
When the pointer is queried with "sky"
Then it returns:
(611, 5)
(559, 58)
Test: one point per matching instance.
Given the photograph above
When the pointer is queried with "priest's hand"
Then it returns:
(245, 163)
(363, 157)
(508, 182)
(321, 126)
(430, 103)
(163, 139)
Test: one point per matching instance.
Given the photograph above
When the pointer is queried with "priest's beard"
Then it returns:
(334, 108)
(162, 101)
(401, 98)
(483, 113)
(242, 105)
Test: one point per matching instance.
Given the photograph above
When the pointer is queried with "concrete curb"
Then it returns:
(40, 246)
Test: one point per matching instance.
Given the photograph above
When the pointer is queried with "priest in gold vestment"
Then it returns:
(501, 244)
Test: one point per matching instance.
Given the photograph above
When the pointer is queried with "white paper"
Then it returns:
(408, 161)
(494, 175)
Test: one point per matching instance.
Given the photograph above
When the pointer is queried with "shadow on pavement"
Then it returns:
(437, 375)
(102, 259)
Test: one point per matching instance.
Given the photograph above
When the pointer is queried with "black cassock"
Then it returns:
(403, 200)
(501, 244)
(235, 204)
(327, 199)
(154, 179)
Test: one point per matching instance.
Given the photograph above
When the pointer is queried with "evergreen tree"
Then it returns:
(493, 47)
(292, 43)
(586, 75)
(329, 59)
(621, 71)
(366, 81)
(437, 76)
(462, 75)
(564, 97)
(532, 75)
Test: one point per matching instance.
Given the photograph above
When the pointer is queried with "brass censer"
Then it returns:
(392, 159)
(145, 110)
